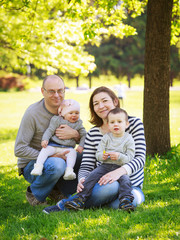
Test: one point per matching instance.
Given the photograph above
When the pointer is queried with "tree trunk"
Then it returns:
(77, 81)
(90, 81)
(129, 80)
(157, 79)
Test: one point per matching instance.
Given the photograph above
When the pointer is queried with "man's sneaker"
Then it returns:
(51, 209)
(32, 200)
(75, 204)
(126, 205)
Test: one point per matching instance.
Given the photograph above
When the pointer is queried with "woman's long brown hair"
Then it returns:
(95, 119)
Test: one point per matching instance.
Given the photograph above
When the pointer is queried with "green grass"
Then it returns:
(156, 218)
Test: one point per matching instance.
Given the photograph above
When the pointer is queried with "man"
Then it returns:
(28, 144)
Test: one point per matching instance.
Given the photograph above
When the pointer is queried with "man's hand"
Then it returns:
(61, 155)
(65, 132)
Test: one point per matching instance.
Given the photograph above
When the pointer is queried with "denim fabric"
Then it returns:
(68, 187)
(103, 195)
(42, 185)
(138, 198)
(108, 195)
(124, 182)
(52, 176)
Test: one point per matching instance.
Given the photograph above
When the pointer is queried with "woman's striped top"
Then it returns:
(135, 168)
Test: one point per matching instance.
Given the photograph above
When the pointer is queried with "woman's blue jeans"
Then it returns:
(108, 195)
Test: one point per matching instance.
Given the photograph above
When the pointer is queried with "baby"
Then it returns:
(69, 112)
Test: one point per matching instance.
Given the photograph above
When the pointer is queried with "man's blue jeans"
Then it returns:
(54, 168)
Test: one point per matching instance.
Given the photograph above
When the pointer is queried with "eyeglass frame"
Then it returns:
(53, 92)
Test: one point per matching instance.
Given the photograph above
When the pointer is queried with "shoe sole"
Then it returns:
(128, 208)
(72, 207)
(52, 209)
(45, 212)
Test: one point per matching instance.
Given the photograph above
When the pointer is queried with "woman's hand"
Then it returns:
(80, 185)
(112, 176)
(65, 132)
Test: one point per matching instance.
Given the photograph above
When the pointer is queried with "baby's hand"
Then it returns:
(79, 149)
(44, 143)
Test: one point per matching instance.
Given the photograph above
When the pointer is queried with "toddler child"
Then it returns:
(115, 149)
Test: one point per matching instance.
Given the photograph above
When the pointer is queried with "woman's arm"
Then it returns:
(136, 129)
(88, 163)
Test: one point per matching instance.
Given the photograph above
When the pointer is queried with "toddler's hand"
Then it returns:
(114, 156)
(105, 156)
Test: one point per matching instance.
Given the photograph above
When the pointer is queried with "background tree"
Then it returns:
(122, 57)
(50, 35)
(175, 63)
(157, 80)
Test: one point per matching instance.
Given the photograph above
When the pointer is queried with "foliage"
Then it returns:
(38, 33)
(51, 35)
(125, 57)
(122, 57)
(157, 167)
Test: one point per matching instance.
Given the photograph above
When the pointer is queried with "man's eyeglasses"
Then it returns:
(53, 92)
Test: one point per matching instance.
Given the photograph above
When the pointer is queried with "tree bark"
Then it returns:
(157, 79)
(77, 81)
(90, 81)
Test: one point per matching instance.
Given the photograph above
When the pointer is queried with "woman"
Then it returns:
(101, 102)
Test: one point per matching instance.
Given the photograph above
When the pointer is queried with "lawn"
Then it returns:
(156, 218)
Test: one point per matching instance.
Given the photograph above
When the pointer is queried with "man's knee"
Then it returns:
(55, 166)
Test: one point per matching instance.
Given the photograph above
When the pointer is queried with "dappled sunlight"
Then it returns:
(103, 219)
(7, 149)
